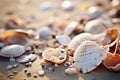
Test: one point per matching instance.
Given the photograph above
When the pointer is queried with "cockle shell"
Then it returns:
(55, 55)
(15, 23)
(89, 55)
(12, 50)
(16, 36)
(77, 40)
(97, 26)
(112, 62)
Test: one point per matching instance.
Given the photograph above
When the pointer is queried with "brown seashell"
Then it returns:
(16, 36)
(55, 55)
(112, 62)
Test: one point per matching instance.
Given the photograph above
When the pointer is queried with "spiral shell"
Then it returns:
(89, 55)
(12, 50)
(97, 26)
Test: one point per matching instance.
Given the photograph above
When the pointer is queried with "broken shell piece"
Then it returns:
(55, 55)
(77, 40)
(112, 62)
(12, 50)
(70, 27)
(89, 55)
(70, 71)
(44, 33)
(26, 58)
(63, 39)
(97, 26)
(16, 36)
(15, 23)
(95, 11)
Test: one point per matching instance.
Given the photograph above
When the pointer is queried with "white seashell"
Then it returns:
(89, 55)
(95, 11)
(68, 5)
(11, 59)
(12, 50)
(26, 58)
(77, 40)
(55, 55)
(71, 71)
(44, 33)
(70, 28)
(63, 39)
(97, 26)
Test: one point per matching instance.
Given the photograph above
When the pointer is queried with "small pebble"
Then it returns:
(28, 74)
(28, 64)
(10, 75)
(56, 65)
(15, 65)
(9, 67)
(67, 64)
(25, 70)
(35, 75)
(12, 59)
(43, 65)
(41, 73)
(51, 69)
(15, 72)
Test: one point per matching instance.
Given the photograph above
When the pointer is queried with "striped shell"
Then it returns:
(97, 26)
(55, 55)
(16, 36)
(89, 55)
(12, 50)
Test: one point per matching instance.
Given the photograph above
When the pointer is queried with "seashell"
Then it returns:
(112, 62)
(15, 23)
(26, 58)
(68, 5)
(95, 11)
(70, 71)
(12, 50)
(97, 26)
(70, 27)
(16, 36)
(77, 40)
(63, 39)
(44, 33)
(55, 55)
(89, 55)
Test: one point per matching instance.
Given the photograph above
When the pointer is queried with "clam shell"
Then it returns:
(12, 50)
(70, 27)
(112, 62)
(26, 58)
(89, 55)
(16, 36)
(97, 26)
(55, 55)
(77, 40)
(63, 39)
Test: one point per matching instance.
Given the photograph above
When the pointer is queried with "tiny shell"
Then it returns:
(70, 27)
(77, 40)
(12, 50)
(26, 58)
(95, 11)
(97, 26)
(89, 55)
(55, 55)
(63, 39)
(112, 62)
(44, 33)
(16, 36)
(70, 71)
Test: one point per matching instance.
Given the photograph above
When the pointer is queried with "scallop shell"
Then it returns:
(26, 58)
(55, 55)
(77, 40)
(89, 55)
(16, 36)
(12, 50)
(63, 39)
(95, 11)
(70, 27)
(112, 62)
(97, 26)
(15, 23)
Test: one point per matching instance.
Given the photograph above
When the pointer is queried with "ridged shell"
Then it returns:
(97, 26)
(55, 55)
(77, 40)
(12, 50)
(89, 55)
(16, 36)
